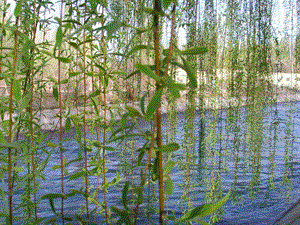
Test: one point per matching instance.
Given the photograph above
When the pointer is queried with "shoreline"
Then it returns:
(48, 119)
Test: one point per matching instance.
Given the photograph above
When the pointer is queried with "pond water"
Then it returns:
(265, 206)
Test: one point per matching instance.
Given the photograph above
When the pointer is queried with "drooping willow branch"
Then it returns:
(60, 122)
(10, 133)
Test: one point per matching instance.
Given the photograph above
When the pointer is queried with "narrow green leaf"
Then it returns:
(112, 28)
(74, 74)
(139, 191)
(146, 70)
(72, 21)
(124, 216)
(204, 210)
(124, 194)
(132, 74)
(52, 196)
(68, 125)
(63, 59)
(95, 106)
(194, 51)
(134, 112)
(77, 175)
(55, 93)
(169, 185)
(59, 37)
(73, 44)
(138, 48)
(170, 147)
(109, 148)
(169, 166)
(2, 138)
(172, 88)
(191, 73)
(143, 103)
(153, 104)
(95, 93)
(167, 3)
(18, 8)
(17, 90)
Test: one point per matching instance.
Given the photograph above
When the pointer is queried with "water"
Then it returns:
(260, 210)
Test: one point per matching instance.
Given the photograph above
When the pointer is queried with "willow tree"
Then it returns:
(191, 18)
(258, 72)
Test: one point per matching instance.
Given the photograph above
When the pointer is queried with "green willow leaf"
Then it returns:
(169, 185)
(153, 104)
(167, 3)
(169, 166)
(95, 93)
(2, 138)
(74, 45)
(170, 147)
(124, 216)
(146, 70)
(77, 175)
(138, 48)
(194, 51)
(55, 93)
(74, 74)
(68, 125)
(51, 197)
(18, 8)
(143, 103)
(17, 90)
(63, 59)
(124, 194)
(134, 112)
(204, 210)
(112, 28)
(109, 148)
(59, 37)
(191, 73)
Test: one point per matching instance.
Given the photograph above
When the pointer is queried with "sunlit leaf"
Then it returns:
(167, 3)
(204, 210)
(169, 185)
(169, 166)
(146, 70)
(68, 125)
(153, 104)
(112, 28)
(17, 90)
(138, 48)
(18, 8)
(194, 51)
(134, 112)
(59, 36)
(191, 73)
(63, 59)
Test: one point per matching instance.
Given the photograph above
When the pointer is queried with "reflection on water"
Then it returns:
(251, 153)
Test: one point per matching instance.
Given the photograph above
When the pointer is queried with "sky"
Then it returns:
(278, 21)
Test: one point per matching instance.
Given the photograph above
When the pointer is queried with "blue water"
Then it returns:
(260, 210)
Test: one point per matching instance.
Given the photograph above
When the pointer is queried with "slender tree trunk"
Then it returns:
(158, 112)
